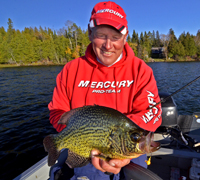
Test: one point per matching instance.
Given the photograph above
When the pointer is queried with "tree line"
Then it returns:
(33, 45)
(186, 47)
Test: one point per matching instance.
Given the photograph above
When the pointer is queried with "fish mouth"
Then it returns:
(147, 145)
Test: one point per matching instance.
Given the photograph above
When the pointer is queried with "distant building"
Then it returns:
(157, 52)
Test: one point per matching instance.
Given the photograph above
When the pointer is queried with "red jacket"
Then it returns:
(127, 86)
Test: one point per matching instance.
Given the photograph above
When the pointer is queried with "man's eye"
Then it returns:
(115, 38)
(102, 36)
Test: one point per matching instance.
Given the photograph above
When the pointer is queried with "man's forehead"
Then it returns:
(101, 28)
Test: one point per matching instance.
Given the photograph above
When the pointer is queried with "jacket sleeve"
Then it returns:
(54, 117)
(146, 96)
(60, 101)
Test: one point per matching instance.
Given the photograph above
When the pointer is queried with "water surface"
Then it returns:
(26, 91)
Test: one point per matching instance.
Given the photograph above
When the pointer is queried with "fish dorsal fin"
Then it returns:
(64, 119)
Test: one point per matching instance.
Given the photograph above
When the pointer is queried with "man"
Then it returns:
(108, 75)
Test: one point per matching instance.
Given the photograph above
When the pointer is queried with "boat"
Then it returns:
(178, 157)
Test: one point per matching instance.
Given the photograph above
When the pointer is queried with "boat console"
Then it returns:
(184, 129)
(169, 111)
(179, 136)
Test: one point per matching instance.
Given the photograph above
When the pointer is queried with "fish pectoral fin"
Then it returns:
(74, 160)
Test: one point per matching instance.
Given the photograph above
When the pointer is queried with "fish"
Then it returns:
(102, 128)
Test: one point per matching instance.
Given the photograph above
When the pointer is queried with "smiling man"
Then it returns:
(108, 75)
(107, 44)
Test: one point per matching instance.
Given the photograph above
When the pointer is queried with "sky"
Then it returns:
(142, 15)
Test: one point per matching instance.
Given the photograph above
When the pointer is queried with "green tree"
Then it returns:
(10, 30)
(37, 49)
(192, 47)
(134, 47)
(153, 39)
(141, 41)
(189, 44)
(83, 41)
(150, 35)
(157, 40)
(147, 44)
(128, 39)
(3, 50)
(172, 43)
(2, 34)
(180, 50)
(61, 45)
(135, 38)
(197, 43)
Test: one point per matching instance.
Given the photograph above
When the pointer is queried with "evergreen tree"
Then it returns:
(197, 43)
(140, 51)
(157, 39)
(172, 44)
(10, 30)
(192, 47)
(37, 50)
(147, 44)
(29, 39)
(135, 38)
(182, 37)
(180, 50)
(3, 46)
(141, 41)
(128, 39)
(153, 39)
(83, 41)
(4, 57)
(62, 49)
(189, 44)
(2, 33)
(150, 35)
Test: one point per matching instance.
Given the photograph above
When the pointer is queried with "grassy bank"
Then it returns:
(54, 64)
(32, 64)
(170, 60)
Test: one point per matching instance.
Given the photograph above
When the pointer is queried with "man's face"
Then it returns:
(107, 43)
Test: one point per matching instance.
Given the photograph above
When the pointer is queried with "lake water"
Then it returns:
(26, 91)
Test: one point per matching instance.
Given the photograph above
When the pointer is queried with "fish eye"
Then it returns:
(135, 137)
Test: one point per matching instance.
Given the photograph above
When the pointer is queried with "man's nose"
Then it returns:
(108, 43)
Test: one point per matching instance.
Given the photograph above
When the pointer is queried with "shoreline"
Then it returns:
(62, 64)
(27, 65)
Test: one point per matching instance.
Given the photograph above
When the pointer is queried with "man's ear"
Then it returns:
(89, 33)
(125, 37)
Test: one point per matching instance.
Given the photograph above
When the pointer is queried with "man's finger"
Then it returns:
(119, 163)
(96, 161)
(109, 168)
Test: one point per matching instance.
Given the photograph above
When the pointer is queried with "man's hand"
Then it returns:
(112, 166)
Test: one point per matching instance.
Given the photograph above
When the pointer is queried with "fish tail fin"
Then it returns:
(50, 147)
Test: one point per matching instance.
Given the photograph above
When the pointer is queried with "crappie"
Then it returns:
(101, 128)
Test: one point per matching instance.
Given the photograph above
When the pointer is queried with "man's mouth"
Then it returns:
(107, 53)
